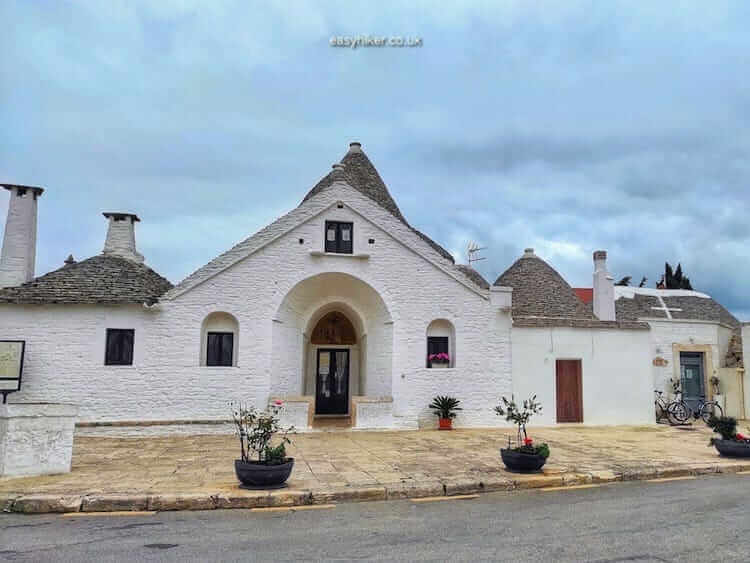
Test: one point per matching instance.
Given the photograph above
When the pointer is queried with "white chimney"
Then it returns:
(121, 236)
(604, 288)
(18, 256)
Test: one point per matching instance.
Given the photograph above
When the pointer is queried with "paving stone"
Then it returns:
(185, 501)
(286, 497)
(114, 503)
(241, 499)
(41, 504)
(328, 496)
(419, 489)
(465, 486)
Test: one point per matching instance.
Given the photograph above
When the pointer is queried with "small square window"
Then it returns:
(220, 349)
(339, 237)
(119, 348)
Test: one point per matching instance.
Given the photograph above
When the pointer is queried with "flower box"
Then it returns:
(437, 365)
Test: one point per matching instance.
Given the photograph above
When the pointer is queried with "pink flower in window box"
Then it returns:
(439, 360)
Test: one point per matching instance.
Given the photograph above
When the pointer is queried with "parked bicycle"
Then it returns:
(703, 409)
(676, 412)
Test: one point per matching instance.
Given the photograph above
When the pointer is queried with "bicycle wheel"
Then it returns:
(660, 412)
(678, 412)
(710, 409)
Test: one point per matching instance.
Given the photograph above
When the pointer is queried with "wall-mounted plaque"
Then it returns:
(11, 366)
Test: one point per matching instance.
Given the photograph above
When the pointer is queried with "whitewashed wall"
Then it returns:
(666, 333)
(65, 353)
(616, 376)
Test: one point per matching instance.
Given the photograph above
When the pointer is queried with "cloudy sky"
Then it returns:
(566, 126)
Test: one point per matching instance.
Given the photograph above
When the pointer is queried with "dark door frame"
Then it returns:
(346, 401)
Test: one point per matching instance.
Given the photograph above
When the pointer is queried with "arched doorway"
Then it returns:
(333, 311)
(333, 339)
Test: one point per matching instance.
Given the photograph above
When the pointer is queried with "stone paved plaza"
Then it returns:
(340, 460)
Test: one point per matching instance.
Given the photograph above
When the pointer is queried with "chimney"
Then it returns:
(18, 255)
(604, 288)
(121, 236)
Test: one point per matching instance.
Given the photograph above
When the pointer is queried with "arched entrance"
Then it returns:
(332, 344)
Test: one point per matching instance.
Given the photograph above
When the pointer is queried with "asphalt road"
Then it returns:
(706, 519)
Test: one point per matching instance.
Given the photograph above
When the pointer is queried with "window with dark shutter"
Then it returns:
(119, 345)
(220, 348)
(339, 237)
(437, 345)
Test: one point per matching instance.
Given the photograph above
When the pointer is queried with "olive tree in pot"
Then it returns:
(731, 443)
(445, 408)
(262, 466)
(525, 456)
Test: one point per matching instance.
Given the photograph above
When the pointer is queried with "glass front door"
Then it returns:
(691, 378)
(332, 382)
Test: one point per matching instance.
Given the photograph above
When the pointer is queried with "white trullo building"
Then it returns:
(334, 308)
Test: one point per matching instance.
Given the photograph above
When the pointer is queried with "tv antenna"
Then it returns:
(472, 252)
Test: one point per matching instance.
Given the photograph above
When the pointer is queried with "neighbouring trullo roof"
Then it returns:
(102, 279)
(541, 297)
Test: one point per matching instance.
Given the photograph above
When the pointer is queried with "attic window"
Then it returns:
(339, 237)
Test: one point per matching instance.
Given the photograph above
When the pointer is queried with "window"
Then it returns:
(437, 345)
(339, 237)
(119, 350)
(219, 333)
(441, 344)
(220, 348)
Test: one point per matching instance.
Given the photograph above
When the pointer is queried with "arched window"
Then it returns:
(441, 344)
(219, 340)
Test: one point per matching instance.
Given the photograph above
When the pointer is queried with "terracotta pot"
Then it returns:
(517, 461)
(445, 424)
(259, 475)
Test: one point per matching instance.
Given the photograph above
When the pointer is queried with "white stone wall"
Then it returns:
(36, 439)
(616, 376)
(411, 286)
(666, 333)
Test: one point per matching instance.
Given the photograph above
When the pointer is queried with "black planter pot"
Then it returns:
(260, 476)
(732, 448)
(516, 461)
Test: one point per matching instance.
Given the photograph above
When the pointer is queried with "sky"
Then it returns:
(563, 126)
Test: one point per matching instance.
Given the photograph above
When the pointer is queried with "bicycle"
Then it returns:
(703, 410)
(676, 412)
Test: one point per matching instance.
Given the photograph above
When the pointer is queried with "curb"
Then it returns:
(95, 502)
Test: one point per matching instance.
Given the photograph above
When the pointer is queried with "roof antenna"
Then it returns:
(472, 252)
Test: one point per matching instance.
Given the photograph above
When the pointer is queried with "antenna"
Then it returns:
(472, 252)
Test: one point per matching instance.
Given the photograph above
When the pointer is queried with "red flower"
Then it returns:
(740, 436)
(527, 441)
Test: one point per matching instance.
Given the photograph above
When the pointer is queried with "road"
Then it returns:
(706, 519)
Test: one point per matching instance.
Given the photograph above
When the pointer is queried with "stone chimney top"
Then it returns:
(355, 146)
(37, 191)
(69, 260)
(18, 255)
(121, 236)
(604, 288)
(528, 252)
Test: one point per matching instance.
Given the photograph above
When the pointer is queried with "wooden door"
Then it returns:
(569, 391)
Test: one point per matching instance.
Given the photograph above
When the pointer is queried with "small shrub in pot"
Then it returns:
(261, 465)
(731, 443)
(445, 408)
(525, 456)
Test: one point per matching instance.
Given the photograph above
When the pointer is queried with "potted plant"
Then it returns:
(262, 466)
(445, 408)
(526, 456)
(731, 444)
(439, 360)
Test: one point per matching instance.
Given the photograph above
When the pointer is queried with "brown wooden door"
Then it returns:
(569, 391)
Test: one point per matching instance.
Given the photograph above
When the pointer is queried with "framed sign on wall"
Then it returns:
(11, 366)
